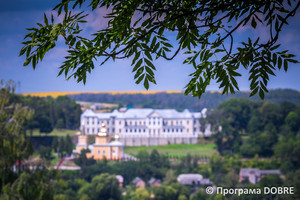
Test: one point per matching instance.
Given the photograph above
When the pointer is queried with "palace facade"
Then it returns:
(147, 126)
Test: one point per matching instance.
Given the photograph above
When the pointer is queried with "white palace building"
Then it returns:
(146, 126)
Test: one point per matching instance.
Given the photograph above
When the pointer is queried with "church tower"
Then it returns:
(102, 137)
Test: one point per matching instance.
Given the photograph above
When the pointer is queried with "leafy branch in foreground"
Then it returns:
(141, 30)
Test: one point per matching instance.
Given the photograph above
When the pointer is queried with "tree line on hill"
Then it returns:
(264, 128)
(49, 113)
(180, 102)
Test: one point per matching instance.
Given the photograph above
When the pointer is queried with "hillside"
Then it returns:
(179, 101)
(169, 99)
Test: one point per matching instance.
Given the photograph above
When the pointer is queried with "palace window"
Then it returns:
(99, 152)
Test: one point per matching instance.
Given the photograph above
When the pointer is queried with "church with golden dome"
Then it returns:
(104, 146)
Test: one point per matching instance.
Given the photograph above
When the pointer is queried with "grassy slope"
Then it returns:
(177, 150)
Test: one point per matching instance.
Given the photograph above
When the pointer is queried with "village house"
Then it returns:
(138, 182)
(193, 179)
(120, 180)
(253, 175)
(154, 182)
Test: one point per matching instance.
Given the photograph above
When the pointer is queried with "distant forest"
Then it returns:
(49, 113)
(179, 101)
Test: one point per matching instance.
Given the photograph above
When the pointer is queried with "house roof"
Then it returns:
(245, 172)
(120, 178)
(189, 179)
(153, 180)
(116, 143)
(136, 180)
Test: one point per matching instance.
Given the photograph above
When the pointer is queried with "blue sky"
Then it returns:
(17, 15)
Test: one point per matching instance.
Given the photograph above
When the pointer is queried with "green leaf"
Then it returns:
(148, 55)
(279, 64)
(285, 65)
(138, 64)
(137, 55)
(139, 72)
(254, 91)
(45, 19)
(253, 23)
(146, 84)
(140, 79)
(261, 94)
(149, 63)
(148, 69)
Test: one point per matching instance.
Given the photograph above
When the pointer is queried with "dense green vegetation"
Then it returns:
(180, 102)
(49, 113)
(248, 128)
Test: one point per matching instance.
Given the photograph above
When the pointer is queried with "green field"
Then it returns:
(55, 132)
(177, 150)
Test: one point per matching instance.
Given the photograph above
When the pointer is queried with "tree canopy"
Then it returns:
(141, 30)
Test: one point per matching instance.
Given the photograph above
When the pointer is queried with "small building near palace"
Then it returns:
(154, 182)
(253, 175)
(120, 180)
(193, 179)
(138, 182)
(103, 147)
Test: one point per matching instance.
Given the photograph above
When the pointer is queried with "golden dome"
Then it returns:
(102, 130)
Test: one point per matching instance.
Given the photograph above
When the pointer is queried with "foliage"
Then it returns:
(50, 113)
(14, 148)
(103, 186)
(64, 146)
(142, 194)
(288, 151)
(35, 184)
(45, 152)
(205, 31)
(165, 192)
(250, 128)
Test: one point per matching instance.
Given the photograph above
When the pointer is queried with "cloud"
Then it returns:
(96, 20)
